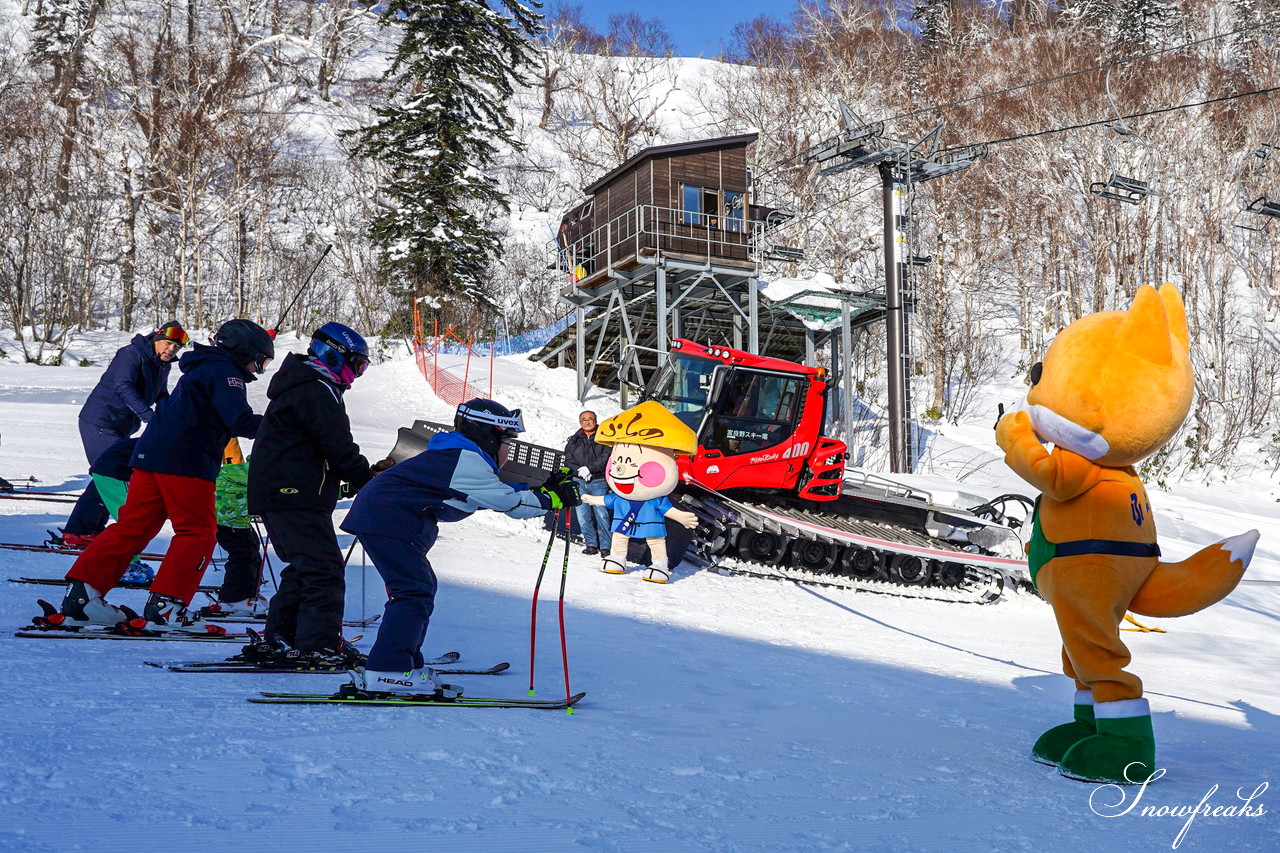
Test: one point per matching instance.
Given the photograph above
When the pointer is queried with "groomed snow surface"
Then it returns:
(722, 714)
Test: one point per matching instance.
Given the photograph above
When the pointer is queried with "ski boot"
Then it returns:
(419, 683)
(341, 659)
(76, 540)
(260, 650)
(249, 608)
(165, 612)
(138, 572)
(84, 605)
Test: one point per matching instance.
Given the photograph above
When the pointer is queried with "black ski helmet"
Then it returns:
(248, 342)
(487, 423)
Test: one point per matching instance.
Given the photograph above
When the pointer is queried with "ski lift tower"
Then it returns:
(901, 166)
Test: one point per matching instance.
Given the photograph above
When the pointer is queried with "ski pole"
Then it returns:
(533, 620)
(298, 295)
(346, 560)
(262, 564)
(266, 558)
(564, 575)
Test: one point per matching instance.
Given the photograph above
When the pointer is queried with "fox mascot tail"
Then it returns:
(1204, 578)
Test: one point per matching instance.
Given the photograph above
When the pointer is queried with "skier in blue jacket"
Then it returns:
(397, 514)
(136, 379)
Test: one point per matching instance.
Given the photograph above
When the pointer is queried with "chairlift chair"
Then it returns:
(1128, 149)
(1260, 171)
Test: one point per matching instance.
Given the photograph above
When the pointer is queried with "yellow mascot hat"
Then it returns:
(1116, 385)
(651, 425)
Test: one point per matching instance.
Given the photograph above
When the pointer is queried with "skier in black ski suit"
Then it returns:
(397, 519)
(303, 454)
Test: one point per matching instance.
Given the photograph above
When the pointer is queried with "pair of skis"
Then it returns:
(349, 694)
(49, 548)
(316, 669)
(51, 497)
(52, 624)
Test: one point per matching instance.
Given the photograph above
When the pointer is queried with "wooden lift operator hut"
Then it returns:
(671, 244)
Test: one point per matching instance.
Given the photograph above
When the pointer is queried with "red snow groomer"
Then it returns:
(758, 421)
(774, 498)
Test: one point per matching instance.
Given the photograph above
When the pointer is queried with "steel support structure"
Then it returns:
(895, 323)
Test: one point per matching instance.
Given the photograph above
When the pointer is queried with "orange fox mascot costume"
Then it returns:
(1112, 389)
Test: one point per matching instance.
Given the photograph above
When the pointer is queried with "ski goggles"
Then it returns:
(357, 362)
(261, 363)
(512, 425)
(173, 333)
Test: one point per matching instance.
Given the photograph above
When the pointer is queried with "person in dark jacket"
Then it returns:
(587, 460)
(175, 466)
(136, 379)
(397, 517)
(302, 456)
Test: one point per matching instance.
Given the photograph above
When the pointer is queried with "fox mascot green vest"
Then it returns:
(1112, 389)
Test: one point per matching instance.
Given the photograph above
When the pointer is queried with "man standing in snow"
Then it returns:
(136, 379)
(303, 455)
(587, 459)
(175, 466)
(397, 517)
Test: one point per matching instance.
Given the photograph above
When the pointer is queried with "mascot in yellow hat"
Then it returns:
(642, 472)
(1112, 389)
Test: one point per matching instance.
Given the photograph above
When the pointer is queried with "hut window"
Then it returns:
(734, 213)
(700, 206)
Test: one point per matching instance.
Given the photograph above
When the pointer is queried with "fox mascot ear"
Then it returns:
(1146, 331)
(1176, 315)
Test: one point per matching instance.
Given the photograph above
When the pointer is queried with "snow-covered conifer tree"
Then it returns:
(1142, 25)
(442, 132)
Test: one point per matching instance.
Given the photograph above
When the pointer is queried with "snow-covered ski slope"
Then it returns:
(722, 714)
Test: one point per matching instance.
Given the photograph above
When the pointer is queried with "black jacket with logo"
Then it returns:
(583, 450)
(304, 450)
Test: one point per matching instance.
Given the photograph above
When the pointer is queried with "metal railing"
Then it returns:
(648, 228)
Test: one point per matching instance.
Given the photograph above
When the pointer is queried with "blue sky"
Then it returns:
(696, 26)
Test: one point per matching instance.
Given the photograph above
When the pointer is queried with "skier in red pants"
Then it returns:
(175, 466)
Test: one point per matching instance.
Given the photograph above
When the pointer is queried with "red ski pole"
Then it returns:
(533, 619)
(564, 575)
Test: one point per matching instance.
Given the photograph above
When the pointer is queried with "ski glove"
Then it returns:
(585, 473)
(560, 490)
(381, 465)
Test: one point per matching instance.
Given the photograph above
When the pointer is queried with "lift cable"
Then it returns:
(1105, 67)
(1068, 75)
(1032, 135)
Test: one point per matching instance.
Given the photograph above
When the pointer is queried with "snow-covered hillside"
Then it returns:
(722, 714)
